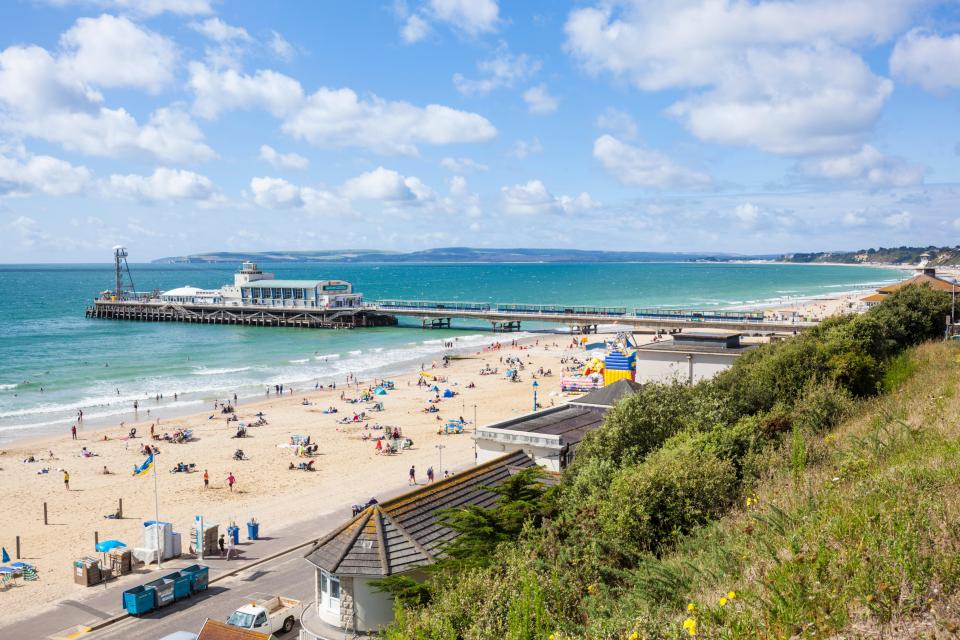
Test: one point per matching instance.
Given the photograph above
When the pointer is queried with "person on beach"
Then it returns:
(66, 479)
(221, 544)
(230, 547)
(413, 475)
(230, 480)
(206, 479)
(73, 431)
(430, 475)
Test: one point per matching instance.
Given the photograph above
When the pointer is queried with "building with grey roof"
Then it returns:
(401, 536)
(689, 356)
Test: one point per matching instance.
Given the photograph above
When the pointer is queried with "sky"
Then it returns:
(754, 127)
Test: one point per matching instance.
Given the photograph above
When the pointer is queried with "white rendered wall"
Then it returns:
(488, 450)
(371, 608)
(666, 366)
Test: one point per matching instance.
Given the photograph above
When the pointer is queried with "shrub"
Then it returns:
(672, 491)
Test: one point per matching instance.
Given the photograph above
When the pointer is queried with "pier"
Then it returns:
(160, 311)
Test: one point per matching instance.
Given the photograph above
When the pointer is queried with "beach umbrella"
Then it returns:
(380, 391)
(6, 556)
(7, 570)
(109, 545)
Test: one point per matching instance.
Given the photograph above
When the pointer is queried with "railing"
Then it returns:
(559, 309)
(432, 305)
(689, 314)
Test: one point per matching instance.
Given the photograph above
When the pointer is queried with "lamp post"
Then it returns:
(474, 434)
(535, 385)
(440, 449)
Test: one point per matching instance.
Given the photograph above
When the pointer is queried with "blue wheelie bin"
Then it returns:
(181, 584)
(253, 530)
(234, 532)
(199, 576)
(139, 600)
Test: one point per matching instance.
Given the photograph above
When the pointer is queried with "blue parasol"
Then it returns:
(7, 570)
(5, 556)
(109, 545)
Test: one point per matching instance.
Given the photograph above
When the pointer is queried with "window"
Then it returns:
(324, 587)
(329, 591)
(261, 620)
(334, 588)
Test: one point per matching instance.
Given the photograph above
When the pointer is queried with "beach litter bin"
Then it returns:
(138, 600)
(253, 530)
(163, 590)
(199, 577)
(181, 584)
(234, 532)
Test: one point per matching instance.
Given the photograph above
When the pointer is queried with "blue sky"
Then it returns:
(183, 126)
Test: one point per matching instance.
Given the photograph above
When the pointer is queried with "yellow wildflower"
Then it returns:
(552, 637)
(591, 589)
(731, 595)
(691, 607)
(634, 636)
(723, 602)
(691, 626)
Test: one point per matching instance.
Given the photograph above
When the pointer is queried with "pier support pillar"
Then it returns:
(505, 326)
(435, 323)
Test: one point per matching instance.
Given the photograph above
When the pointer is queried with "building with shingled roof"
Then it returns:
(401, 536)
(927, 277)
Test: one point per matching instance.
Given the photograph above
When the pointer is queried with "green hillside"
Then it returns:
(893, 255)
(810, 491)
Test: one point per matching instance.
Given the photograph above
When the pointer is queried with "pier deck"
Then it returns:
(259, 316)
(502, 317)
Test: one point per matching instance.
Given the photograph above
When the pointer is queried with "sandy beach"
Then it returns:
(348, 468)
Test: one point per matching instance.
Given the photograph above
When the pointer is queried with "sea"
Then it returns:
(54, 361)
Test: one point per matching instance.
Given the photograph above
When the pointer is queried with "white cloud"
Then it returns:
(853, 219)
(145, 8)
(462, 165)
(777, 75)
(163, 185)
(462, 199)
(747, 213)
(47, 98)
(219, 31)
(276, 193)
(111, 51)
(388, 186)
(927, 59)
(539, 101)
(169, 135)
(339, 118)
(283, 160)
(414, 29)
(617, 122)
(898, 221)
(638, 167)
(335, 117)
(533, 198)
(28, 231)
(41, 174)
(280, 47)
(504, 69)
(472, 17)
(216, 91)
(523, 148)
(868, 167)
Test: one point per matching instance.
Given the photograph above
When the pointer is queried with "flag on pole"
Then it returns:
(145, 467)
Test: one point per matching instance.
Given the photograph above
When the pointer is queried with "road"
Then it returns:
(289, 575)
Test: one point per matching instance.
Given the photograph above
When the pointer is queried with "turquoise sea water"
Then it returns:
(102, 366)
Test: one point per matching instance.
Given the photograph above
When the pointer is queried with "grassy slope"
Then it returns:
(855, 534)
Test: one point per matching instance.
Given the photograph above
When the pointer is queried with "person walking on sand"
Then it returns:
(230, 480)
(66, 479)
(73, 431)
(221, 544)
(230, 547)
(413, 475)
(206, 479)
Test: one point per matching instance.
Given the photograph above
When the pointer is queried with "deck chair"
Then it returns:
(29, 574)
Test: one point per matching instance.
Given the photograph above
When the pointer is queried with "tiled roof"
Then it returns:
(923, 279)
(216, 630)
(407, 532)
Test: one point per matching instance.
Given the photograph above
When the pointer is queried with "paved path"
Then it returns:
(288, 575)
